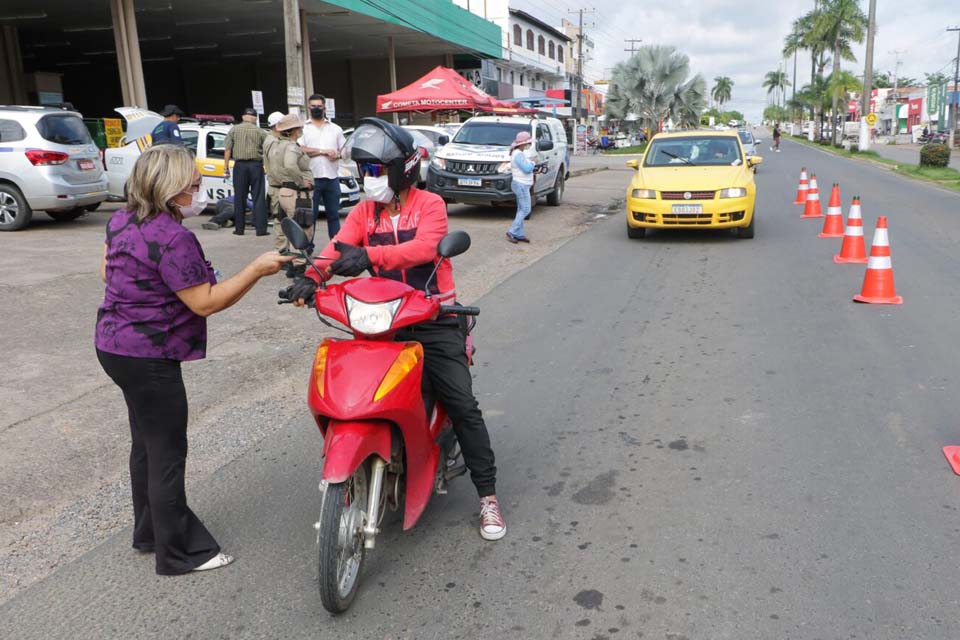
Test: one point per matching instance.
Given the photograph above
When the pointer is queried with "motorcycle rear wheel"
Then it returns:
(342, 517)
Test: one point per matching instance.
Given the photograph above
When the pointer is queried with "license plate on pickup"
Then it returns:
(687, 209)
(86, 164)
(470, 182)
(353, 197)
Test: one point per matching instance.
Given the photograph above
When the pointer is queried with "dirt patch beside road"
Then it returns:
(64, 440)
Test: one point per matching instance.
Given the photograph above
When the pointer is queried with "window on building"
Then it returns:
(560, 54)
(521, 79)
(517, 35)
(499, 74)
(544, 86)
(511, 77)
(552, 51)
(530, 39)
(541, 46)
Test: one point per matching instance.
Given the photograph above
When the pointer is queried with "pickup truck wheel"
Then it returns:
(67, 215)
(15, 213)
(555, 197)
(92, 207)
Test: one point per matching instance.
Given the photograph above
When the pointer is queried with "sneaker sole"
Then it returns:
(493, 536)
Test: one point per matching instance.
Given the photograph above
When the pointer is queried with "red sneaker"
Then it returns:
(492, 526)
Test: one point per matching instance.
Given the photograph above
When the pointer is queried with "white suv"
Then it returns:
(48, 162)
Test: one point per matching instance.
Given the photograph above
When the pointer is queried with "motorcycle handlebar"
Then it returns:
(460, 311)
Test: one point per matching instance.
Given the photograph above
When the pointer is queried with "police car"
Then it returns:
(205, 139)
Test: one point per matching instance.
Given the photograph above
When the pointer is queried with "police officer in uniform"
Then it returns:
(244, 145)
(291, 167)
(167, 131)
(273, 178)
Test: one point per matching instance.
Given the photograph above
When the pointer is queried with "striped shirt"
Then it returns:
(245, 141)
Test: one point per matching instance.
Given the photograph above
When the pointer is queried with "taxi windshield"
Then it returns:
(697, 151)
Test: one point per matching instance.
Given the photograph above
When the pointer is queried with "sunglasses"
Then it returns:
(372, 169)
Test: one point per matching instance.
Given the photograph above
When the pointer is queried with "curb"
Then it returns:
(583, 172)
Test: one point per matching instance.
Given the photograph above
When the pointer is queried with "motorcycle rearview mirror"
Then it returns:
(452, 244)
(295, 234)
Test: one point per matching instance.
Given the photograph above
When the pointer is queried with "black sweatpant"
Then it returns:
(157, 408)
(248, 177)
(445, 366)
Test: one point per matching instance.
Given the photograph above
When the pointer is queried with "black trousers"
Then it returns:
(248, 177)
(445, 366)
(157, 408)
(326, 191)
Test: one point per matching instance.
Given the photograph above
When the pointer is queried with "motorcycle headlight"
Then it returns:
(503, 167)
(440, 163)
(371, 319)
(648, 194)
(733, 192)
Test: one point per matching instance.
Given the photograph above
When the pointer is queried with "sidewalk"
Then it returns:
(910, 153)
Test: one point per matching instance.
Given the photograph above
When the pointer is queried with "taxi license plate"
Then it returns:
(470, 182)
(687, 209)
(86, 164)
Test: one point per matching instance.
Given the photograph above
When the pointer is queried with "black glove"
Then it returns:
(352, 261)
(302, 289)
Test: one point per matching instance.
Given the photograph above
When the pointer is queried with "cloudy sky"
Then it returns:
(743, 38)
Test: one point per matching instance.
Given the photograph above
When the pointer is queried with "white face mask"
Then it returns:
(198, 202)
(378, 189)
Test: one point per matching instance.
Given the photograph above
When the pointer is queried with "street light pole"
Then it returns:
(863, 142)
(956, 92)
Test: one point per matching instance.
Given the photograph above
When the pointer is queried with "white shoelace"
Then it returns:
(490, 514)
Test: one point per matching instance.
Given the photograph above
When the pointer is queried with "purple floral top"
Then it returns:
(147, 262)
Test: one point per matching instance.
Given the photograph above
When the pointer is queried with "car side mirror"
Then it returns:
(633, 164)
(442, 140)
(295, 234)
(753, 161)
(544, 145)
(453, 244)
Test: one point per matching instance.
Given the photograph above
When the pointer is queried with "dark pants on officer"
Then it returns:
(248, 177)
(157, 408)
(326, 191)
(445, 366)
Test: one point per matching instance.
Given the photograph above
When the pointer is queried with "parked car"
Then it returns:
(48, 162)
(751, 145)
(206, 140)
(692, 180)
(436, 135)
(474, 167)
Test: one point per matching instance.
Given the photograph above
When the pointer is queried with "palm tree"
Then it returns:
(840, 23)
(722, 90)
(792, 45)
(655, 84)
(841, 84)
(776, 81)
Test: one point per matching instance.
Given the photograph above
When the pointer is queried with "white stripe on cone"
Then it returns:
(879, 262)
(881, 238)
(853, 231)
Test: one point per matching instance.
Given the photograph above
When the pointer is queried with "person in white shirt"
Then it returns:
(322, 141)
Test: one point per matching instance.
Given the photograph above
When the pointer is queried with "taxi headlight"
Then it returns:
(648, 194)
(733, 192)
(371, 319)
(503, 167)
(440, 163)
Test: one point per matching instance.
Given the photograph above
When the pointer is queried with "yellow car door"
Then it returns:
(210, 152)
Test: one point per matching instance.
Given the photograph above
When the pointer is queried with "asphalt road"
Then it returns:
(698, 437)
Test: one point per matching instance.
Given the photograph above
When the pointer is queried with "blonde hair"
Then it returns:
(160, 173)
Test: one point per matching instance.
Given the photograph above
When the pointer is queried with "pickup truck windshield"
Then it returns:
(500, 134)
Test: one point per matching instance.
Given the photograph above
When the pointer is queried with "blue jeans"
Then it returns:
(327, 192)
(522, 191)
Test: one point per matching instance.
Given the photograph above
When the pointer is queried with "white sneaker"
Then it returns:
(492, 526)
(217, 561)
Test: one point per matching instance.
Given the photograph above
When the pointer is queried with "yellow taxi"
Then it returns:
(692, 180)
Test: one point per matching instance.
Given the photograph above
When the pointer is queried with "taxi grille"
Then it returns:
(688, 218)
(472, 168)
(694, 195)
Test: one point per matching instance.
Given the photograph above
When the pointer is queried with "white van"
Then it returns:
(474, 167)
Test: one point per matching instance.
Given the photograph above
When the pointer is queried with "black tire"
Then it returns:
(636, 233)
(555, 197)
(15, 213)
(747, 231)
(334, 598)
(92, 207)
(66, 215)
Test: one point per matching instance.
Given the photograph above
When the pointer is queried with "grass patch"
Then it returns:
(846, 153)
(943, 176)
(625, 151)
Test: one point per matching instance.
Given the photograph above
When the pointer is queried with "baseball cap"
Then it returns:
(171, 109)
(249, 111)
(274, 118)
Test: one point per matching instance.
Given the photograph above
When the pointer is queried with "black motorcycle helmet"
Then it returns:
(375, 140)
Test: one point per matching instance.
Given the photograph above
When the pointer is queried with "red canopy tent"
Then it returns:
(443, 89)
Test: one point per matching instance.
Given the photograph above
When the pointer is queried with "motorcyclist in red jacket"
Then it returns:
(395, 232)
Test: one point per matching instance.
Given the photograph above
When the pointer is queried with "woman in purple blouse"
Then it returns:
(160, 290)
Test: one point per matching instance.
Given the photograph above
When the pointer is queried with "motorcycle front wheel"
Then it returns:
(343, 514)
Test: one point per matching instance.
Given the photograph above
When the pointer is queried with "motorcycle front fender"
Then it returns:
(347, 444)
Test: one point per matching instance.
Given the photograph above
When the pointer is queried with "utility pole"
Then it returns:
(579, 79)
(896, 72)
(293, 51)
(633, 45)
(956, 91)
(863, 142)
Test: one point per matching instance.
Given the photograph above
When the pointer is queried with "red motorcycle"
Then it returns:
(384, 439)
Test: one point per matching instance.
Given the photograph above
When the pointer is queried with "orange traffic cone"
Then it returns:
(803, 188)
(812, 210)
(852, 249)
(833, 223)
(952, 454)
(878, 287)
